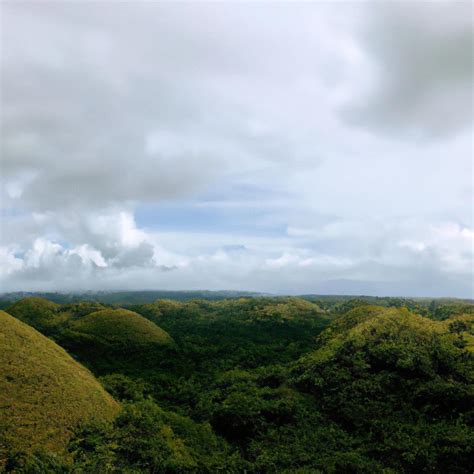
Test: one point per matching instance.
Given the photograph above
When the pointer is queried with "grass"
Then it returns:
(44, 392)
(120, 327)
(42, 314)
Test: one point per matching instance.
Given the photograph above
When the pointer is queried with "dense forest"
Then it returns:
(236, 384)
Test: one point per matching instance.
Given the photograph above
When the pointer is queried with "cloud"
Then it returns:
(422, 69)
(412, 259)
(161, 145)
(119, 104)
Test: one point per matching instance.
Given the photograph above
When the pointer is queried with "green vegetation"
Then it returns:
(82, 308)
(119, 328)
(126, 297)
(401, 384)
(44, 393)
(113, 338)
(145, 438)
(40, 313)
(290, 385)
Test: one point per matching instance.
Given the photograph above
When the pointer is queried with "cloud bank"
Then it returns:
(283, 147)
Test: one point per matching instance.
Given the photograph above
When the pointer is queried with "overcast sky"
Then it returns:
(276, 147)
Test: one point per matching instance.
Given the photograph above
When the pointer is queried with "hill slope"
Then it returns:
(401, 383)
(44, 393)
(39, 313)
(120, 327)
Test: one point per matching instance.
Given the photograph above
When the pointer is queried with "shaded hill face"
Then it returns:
(44, 392)
(119, 328)
(39, 313)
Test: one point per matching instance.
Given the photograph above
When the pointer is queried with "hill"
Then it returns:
(119, 328)
(37, 312)
(44, 393)
(402, 384)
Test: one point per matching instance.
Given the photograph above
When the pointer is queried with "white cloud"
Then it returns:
(88, 255)
(243, 110)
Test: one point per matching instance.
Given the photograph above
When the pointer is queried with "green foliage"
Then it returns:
(246, 332)
(37, 462)
(402, 383)
(441, 312)
(239, 408)
(39, 313)
(260, 385)
(82, 308)
(145, 438)
(124, 388)
(277, 427)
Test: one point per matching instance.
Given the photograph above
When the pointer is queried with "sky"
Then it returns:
(314, 147)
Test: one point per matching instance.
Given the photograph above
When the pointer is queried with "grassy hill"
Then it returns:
(117, 328)
(37, 312)
(44, 393)
(401, 383)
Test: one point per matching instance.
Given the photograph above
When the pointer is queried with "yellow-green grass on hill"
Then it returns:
(408, 337)
(44, 392)
(287, 310)
(40, 313)
(120, 327)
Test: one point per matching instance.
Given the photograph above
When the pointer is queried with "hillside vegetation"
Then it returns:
(39, 313)
(121, 328)
(44, 393)
(402, 384)
(265, 385)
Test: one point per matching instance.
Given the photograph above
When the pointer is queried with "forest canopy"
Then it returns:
(258, 384)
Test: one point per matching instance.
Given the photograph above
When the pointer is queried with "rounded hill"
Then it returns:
(382, 336)
(44, 392)
(120, 327)
(40, 313)
(390, 350)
